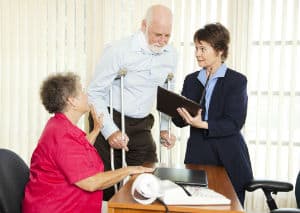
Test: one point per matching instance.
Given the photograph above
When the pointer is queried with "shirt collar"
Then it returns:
(220, 73)
(140, 44)
(74, 130)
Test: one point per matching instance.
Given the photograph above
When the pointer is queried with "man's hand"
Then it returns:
(167, 141)
(117, 141)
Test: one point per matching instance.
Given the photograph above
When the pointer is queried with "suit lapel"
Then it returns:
(217, 95)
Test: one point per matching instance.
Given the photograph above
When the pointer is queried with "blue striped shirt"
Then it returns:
(145, 71)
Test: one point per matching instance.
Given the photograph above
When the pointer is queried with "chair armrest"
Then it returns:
(268, 185)
(285, 210)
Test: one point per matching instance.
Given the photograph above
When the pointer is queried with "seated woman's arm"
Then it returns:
(103, 180)
(98, 125)
(91, 137)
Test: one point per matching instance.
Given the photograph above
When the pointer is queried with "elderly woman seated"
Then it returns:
(66, 172)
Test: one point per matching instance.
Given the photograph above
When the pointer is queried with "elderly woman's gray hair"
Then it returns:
(56, 90)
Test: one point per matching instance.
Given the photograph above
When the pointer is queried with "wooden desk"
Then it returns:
(122, 202)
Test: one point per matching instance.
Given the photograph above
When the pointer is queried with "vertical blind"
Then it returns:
(39, 37)
(272, 128)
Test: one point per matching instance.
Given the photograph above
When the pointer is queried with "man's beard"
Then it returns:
(155, 48)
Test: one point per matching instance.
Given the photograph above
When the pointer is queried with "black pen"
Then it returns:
(186, 191)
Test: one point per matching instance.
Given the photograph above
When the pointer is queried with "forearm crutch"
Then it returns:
(168, 83)
(112, 156)
(120, 76)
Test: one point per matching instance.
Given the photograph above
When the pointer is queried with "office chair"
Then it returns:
(14, 174)
(272, 187)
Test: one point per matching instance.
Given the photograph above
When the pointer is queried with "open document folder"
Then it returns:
(147, 188)
(168, 102)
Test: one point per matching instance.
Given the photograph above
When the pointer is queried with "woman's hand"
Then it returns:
(193, 121)
(139, 169)
(103, 180)
(98, 125)
(98, 119)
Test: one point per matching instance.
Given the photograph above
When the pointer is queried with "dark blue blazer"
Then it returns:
(222, 144)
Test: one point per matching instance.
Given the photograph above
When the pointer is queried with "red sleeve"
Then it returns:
(77, 159)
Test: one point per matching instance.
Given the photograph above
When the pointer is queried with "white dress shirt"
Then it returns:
(145, 71)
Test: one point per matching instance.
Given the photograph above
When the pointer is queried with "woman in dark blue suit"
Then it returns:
(215, 133)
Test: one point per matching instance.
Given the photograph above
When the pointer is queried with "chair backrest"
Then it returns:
(14, 174)
(297, 190)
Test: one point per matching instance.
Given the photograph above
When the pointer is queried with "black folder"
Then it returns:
(182, 176)
(168, 102)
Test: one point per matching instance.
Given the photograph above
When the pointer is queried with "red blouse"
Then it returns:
(62, 157)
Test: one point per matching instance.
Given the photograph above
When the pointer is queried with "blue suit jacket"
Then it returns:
(222, 144)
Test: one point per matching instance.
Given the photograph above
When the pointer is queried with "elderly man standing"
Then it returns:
(148, 59)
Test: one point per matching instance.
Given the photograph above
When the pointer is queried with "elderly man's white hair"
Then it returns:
(158, 10)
